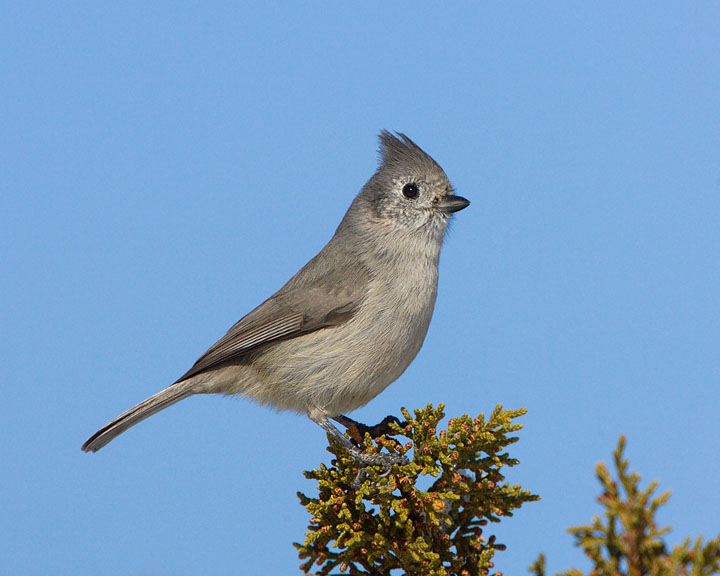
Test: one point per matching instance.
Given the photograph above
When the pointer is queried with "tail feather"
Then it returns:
(145, 409)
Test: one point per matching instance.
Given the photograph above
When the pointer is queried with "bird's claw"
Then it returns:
(357, 430)
(360, 474)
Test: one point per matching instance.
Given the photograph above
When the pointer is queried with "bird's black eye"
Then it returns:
(411, 190)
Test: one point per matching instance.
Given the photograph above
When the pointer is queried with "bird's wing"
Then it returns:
(286, 315)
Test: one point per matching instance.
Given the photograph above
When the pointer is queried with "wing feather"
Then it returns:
(240, 339)
(326, 292)
(269, 322)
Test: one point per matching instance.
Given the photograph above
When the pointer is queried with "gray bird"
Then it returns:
(349, 322)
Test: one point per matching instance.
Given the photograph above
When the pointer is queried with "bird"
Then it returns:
(349, 322)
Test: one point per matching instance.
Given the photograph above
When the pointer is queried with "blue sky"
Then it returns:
(164, 168)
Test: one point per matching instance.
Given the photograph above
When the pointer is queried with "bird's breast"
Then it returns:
(396, 314)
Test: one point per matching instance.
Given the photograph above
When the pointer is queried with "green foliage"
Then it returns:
(627, 541)
(365, 522)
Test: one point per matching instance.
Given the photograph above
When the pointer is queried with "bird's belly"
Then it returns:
(340, 368)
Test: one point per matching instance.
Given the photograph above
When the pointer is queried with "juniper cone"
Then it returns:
(349, 322)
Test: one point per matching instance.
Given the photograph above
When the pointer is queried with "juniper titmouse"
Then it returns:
(349, 322)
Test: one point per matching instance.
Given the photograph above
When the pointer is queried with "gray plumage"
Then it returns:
(350, 321)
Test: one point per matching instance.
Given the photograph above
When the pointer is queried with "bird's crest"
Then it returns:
(397, 150)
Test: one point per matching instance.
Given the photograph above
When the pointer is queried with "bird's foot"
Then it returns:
(364, 459)
(376, 459)
(357, 430)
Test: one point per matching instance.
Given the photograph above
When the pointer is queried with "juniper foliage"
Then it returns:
(366, 523)
(627, 540)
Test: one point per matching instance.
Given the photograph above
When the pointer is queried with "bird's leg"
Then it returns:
(362, 458)
(383, 428)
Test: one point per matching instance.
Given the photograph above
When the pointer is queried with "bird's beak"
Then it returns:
(451, 203)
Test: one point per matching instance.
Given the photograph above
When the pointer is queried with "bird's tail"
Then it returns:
(147, 408)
